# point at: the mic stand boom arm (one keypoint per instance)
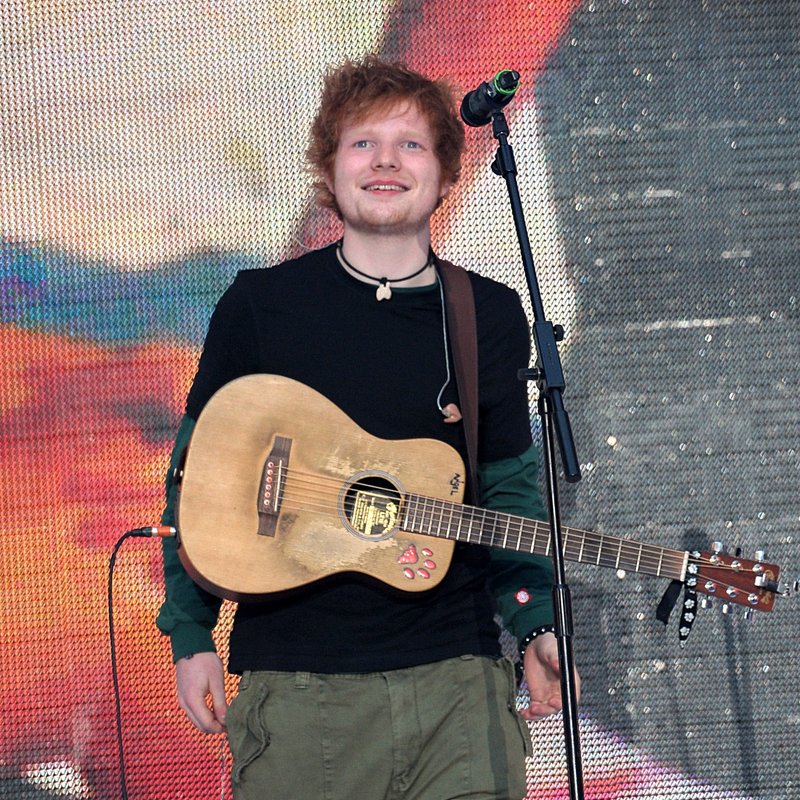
(549, 378)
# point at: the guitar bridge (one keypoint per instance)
(273, 477)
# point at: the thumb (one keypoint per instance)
(218, 701)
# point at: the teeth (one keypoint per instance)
(386, 187)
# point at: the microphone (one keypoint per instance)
(481, 104)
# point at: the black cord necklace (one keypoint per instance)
(383, 290)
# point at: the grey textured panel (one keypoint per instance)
(673, 132)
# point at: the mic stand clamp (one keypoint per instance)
(549, 378)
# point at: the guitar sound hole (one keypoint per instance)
(371, 506)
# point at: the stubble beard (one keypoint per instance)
(398, 222)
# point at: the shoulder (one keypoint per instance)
(292, 272)
(496, 304)
(276, 289)
(487, 291)
(492, 292)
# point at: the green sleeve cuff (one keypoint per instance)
(521, 583)
(522, 587)
(189, 613)
(188, 639)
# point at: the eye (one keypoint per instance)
(361, 144)
(412, 145)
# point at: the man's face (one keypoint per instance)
(386, 176)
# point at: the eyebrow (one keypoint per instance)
(360, 132)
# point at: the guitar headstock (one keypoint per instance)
(753, 584)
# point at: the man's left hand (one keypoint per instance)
(543, 676)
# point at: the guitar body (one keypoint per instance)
(332, 497)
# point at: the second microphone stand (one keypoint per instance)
(549, 378)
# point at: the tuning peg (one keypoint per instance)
(717, 547)
(785, 589)
(706, 602)
(748, 614)
(760, 555)
(726, 608)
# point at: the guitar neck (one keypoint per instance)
(447, 520)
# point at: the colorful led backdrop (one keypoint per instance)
(149, 150)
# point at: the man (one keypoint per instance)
(350, 689)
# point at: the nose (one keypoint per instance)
(385, 157)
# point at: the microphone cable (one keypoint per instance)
(161, 531)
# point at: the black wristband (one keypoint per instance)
(549, 628)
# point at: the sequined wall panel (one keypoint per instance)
(149, 151)
(672, 131)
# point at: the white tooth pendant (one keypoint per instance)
(383, 290)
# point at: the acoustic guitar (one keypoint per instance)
(280, 488)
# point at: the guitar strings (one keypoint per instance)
(658, 561)
(315, 493)
(304, 501)
(312, 480)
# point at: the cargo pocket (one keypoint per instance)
(248, 735)
(519, 722)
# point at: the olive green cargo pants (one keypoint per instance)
(435, 732)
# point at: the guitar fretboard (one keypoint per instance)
(446, 520)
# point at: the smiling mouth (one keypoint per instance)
(384, 187)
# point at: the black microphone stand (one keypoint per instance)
(549, 378)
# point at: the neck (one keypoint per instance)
(388, 256)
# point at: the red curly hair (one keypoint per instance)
(356, 90)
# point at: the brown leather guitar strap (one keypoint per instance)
(463, 335)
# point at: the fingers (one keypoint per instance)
(197, 678)
(219, 704)
(200, 715)
(539, 710)
(543, 703)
